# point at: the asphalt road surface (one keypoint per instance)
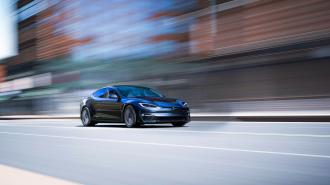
(201, 153)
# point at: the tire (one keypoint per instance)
(179, 124)
(130, 117)
(86, 118)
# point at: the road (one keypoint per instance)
(202, 153)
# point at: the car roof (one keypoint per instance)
(114, 86)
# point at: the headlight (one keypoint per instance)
(185, 104)
(149, 106)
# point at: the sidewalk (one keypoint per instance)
(292, 116)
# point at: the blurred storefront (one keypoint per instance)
(222, 53)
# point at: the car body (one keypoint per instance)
(132, 105)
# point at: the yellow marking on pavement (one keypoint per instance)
(15, 176)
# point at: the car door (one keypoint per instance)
(113, 105)
(99, 105)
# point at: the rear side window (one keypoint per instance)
(101, 93)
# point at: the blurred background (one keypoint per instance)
(221, 56)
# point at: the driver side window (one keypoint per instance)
(112, 94)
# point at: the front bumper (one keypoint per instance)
(165, 116)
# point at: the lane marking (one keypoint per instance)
(192, 122)
(114, 125)
(171, 145)
(182, 131)
(258, 123)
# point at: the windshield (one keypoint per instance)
(132, 91)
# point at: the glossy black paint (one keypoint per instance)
(109, 107)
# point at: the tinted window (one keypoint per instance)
(112, 93)
(102, 93)
(134, 91)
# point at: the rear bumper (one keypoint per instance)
(165, 117)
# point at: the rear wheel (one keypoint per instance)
(86, 118)
(130, 117)
(179, 124)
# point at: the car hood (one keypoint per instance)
(161, 101)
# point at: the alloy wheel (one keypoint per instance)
(130, 117)
(85, 117)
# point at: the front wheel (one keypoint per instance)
(86, 118)
(130, 117)
(179, 124)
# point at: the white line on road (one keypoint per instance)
(251, 133)
(246, 123)
(258, 123)
(170, 145)
(182, 131)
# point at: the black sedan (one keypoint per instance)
(132, 105)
